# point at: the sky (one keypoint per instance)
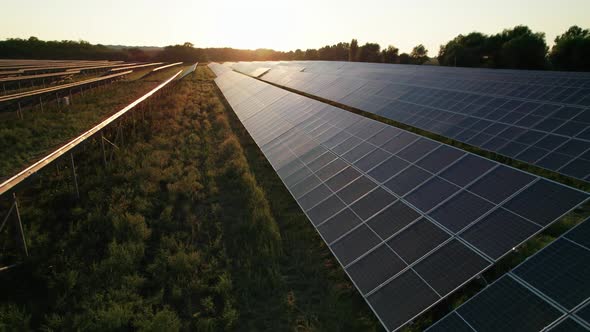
(282, 25)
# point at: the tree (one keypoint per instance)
(572, 50)
(419, 55)
(390, 54)
(312, 54)
(353, 50)
(520, 48)
(404, 58)
(370, 52)
(464, 51)
(337, 52)
(137, 54)
(299, 55)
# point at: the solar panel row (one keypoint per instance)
(549, 291)
(37, 77)
(18, 97)
(119, 69)
(473, 79)
(543, 120)
(410, 219)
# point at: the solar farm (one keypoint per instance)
(449, 199)
(412, 220)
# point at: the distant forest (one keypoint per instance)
(516, 48)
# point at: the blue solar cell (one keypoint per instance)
(407, 180)
(314, 197)
(461, 210)
(431, 193)
(515, 308)
(417, 240)
(343, 178)
(550, 142)
(356, 189)
(399, 142)
(417, 149)
(578, 168)
(450, 266)
(392, 219)
(466, 170)
(325, 210)
(550, 201)
(389, 168)
(372, 203)
(375, 268)
(338, 225)
(499, 232)
(568, 325)
(560, 271)
(354, 244)
(554, 161)
(440, 158)
(370, 160)
(401, 299)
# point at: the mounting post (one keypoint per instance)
(75, 176)
(20, 112)
(104, 153)
(20, 225)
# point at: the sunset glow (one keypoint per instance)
(281, 25)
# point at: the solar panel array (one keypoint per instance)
(542, 118)
(549, 291)
(25, 174)
(409, 219)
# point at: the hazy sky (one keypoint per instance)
(282, 25)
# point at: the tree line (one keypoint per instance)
(516, 48)
(519, 48)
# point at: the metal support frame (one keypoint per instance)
(20, 112)
(104, 153)
(14, 207)
(75, 176)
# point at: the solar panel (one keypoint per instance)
(568, 325)
(548, 291)
(369, 188)
(584, 313)
(542, 118)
